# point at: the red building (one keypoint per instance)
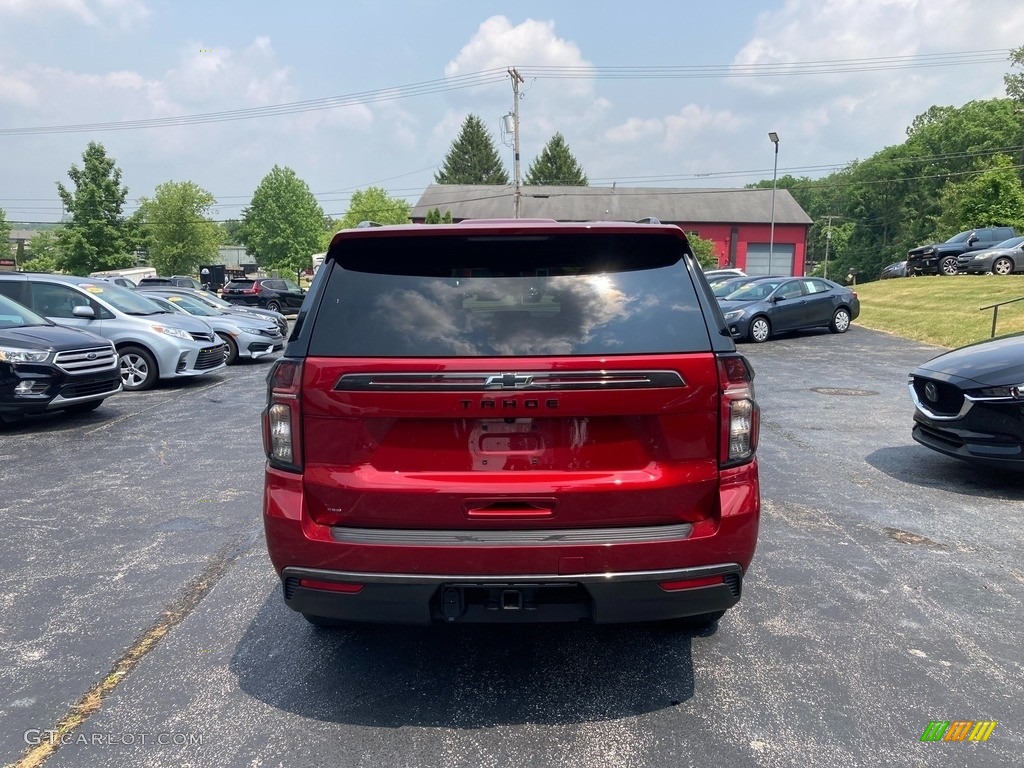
(738, 221)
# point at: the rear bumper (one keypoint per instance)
(600, 575)
(600, 598)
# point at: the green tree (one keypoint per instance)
(1015, 81)
(993, 198)
(95, 237)
(556, 166)
(435, 217)
(43, 252)
(373, 204)
(704, 250)
(472, 158)
(232, 232)
(283, 225)
(179, 232)
(5, 232)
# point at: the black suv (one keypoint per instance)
(941, 258)
(175, 281)
(272, 293)
(47, 367)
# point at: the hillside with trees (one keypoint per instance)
(958, 168)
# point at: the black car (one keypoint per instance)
(896, 269)
(179, 281)
(273, 293)
(48, 367)
(773, 304)
(969, 403)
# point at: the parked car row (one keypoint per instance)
(70, 342)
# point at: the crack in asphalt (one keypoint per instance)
(176, 612)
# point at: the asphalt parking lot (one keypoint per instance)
(138, 605)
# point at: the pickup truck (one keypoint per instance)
(941, 258)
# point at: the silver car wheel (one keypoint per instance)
(1002, 266)
(840, 321)
(760, 329)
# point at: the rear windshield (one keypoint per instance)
(595, 294)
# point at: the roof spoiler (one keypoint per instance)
(648, 220)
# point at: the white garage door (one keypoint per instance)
(781, 262)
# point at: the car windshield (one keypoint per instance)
(1013, 242)
(122, 299)
(754, 291)
(725, 287)
(15, 315)
(960, 238)
(167, 306)
(193, 306)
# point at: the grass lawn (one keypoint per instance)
(942, 310)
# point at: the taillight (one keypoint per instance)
(740, 415)
(282, 427)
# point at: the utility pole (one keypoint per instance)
(517, 79)
(828, 240)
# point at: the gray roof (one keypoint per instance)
(684, 205)
(22, 234)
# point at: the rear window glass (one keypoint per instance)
(502, 296)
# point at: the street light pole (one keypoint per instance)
(774, 137)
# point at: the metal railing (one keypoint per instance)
(995, 312)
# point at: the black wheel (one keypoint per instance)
(274, 305)
(694, 623)
(324, 622)
(138, 369)
(232, 357)
(760, 329)
(948, 266)
(84, 407)
(1002, 266)
(840, 321)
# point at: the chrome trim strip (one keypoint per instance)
(968, 402)
(63, 402)
(677, 574)
(527, 381)
(533, 537)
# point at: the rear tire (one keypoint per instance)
(138, 369)
(84, 407)
(325, 622)
(840, 321)
(760, 330)
(1002, 266)
(274, 305)
(694, 623)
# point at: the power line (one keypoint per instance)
(496, 75)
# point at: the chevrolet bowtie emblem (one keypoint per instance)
(508, 380)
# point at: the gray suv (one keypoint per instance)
(152, 343)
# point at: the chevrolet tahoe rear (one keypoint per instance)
(511, 421)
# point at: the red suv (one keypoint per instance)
(511, 421)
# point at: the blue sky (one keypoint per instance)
(700, 120)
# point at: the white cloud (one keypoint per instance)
(94, 13)
(675, 131)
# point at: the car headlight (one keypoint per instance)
(251, 331)
(736, 314)
(1015, 391)
(177, 333)
(15, 355)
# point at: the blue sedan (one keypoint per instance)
(771, 305)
